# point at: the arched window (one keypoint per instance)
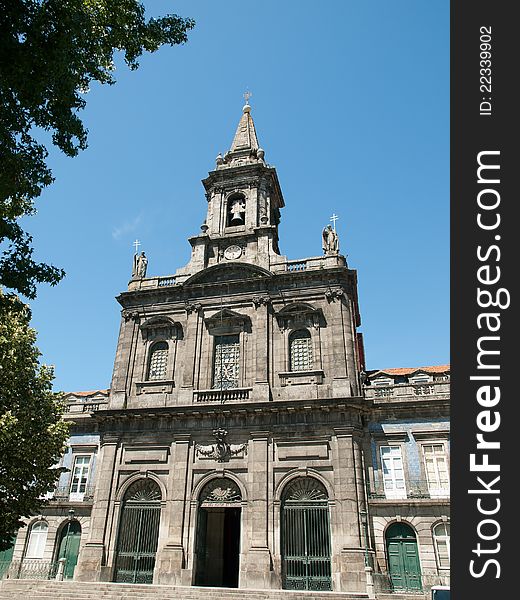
(300, 350)
(441, 540)
(37, 540)
(158, 361)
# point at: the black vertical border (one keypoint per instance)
(472, 133)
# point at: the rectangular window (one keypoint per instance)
(301, 350)
(382, 381)
(226, 366)
(80, 474)
(420, 378)
(436, 467)
(393, 472)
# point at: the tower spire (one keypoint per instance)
(245, 136)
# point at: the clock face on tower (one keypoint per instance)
(233, 252)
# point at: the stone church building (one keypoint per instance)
(242, 442)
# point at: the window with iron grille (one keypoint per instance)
(226, 367)
(300, 348)
(158, 361)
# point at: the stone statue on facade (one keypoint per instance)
(139, 266)
(330, 243)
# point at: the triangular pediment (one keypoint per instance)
(226, 314)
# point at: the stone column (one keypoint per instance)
(171, 558)
(349, 561)
(261, 333)
(190, 350)
(92, 558)
(256, 571)
(121, 378)
(344, 371)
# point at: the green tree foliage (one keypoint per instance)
(32, 432)
(50, 52)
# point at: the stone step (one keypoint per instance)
(20, 589)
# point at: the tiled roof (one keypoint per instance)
(91, 393)
(409, 371)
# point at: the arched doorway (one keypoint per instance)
(403, 557)
(138, 533)
(217, 545)
(305, 536)
(68, 546)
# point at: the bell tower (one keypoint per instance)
(244, 202)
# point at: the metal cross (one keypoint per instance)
(137, 243)
(334, 218)
(247, 95)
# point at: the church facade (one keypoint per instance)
(242, 442)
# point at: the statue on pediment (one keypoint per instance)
(330, 239)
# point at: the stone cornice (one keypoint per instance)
(320, 278)
(349, 411)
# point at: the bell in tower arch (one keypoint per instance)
(236, 211)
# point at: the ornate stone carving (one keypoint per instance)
(143, 491)
(261, 301)
(192, 307)
(220, 491)
(221, 450)
(332, 295)
(305, 489)
(130, 315)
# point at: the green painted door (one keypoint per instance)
(403, 558)
(5, 558)
(69, 547)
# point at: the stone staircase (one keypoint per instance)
(32, 589)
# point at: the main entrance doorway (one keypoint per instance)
(217, 547)
(403, 557)
(138, 533)
(305, 536)
(68, 546)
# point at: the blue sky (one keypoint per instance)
(351, 104)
